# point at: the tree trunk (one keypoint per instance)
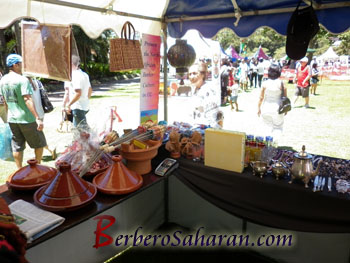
(2, 50)
(84, 58)
(18, 38)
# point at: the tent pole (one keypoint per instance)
(165, 69)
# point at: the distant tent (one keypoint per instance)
(329, 54)
(223, 53)
(260, 54)
(231, 52)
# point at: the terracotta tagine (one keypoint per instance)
(139, 160)
(31, 176)
(117, 179)
(67, 191)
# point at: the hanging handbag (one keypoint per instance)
(45, 102)
(125, 53)
(285, 105)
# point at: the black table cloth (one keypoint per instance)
(268, 201)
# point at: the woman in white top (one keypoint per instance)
(269, 103)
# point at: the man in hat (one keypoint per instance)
(24, 121)
(302, 77)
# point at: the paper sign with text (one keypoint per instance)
(149, 91)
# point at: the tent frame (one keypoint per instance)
(108, 9)
(165, 20)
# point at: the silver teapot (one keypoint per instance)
(302, 168)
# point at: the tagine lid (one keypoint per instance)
(118, 179)
(67, 191)
(303, 155)
(32, 176)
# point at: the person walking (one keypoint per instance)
(244, 70)
(268, 104)
(233, 88)
(314, 78)
(260, 70)
(302, 77)
(25, 122)
(77, 94)
(224, 77)
(254, 73)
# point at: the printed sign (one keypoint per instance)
(149, 91)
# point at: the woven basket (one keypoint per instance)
(125, 54)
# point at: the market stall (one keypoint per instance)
(250, 199)
(174, 16)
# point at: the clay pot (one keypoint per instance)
(67, 191)
(139, 160)
(118, 179)
(31, 176)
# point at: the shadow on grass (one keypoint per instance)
(98, 97)
(47, 158)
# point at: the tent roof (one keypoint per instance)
(207, 16)
(329, 54)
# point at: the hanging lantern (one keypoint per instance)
(181, 56)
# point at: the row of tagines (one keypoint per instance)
(88, 166)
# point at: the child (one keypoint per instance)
(234, 94)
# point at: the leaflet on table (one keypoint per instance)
(33, 221)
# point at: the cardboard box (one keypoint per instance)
(224, 149)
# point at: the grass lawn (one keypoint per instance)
(323, 128)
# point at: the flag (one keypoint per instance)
(243, 48)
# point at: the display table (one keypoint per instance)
(73, 241)
(195, 196)
(228, 202)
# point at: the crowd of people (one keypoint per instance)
(243, 75)
(20, 102)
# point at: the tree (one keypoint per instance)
(266, 37)
(344, 47)
(92, 50)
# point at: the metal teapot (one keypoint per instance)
(302, 168)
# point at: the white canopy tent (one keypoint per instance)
(328, 55)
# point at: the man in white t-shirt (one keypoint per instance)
(77, 94)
